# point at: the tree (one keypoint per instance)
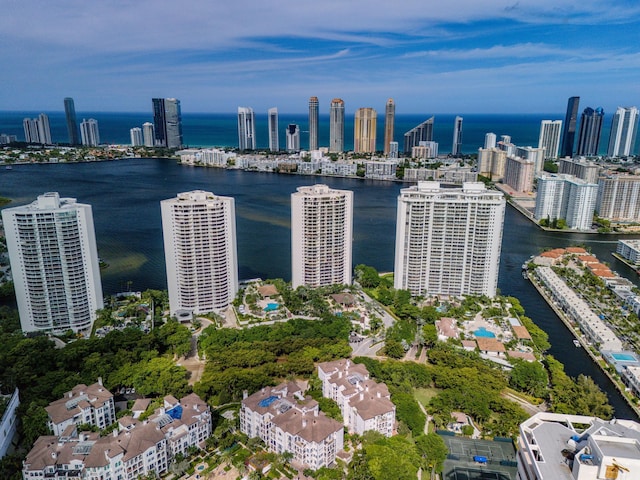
(367, 276)
(529, 377)
(433, 451)
(429, 335)
(393, 349)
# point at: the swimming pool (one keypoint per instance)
(623, 357)
(271, 307)
(484, 333)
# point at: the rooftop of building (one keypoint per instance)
(80, 397)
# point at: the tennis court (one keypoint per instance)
(479, 459)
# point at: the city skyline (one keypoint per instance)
(495, 57)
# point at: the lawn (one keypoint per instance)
(424, 395)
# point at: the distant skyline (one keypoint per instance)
(493, 56)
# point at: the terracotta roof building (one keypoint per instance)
(288, 422)
(92, 405)
(365, 404)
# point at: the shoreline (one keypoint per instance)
(576, 333)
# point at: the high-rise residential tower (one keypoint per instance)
(148, 134)
(590, 131)
(456, 148)
(246, 129)
(136, 137)
(89, 132)
(448, 240)
(167, 120)
(293, 138)
(199, 230)
(624, 128)
(36, 130)
(336, 126)
(490, 140)
(54, 263)
(420, 133)
(72, 122)
(389, 124)
(364, 130)
(274, 143)
(321, 236)
(550, 137)
(313, 123)
(569, 130)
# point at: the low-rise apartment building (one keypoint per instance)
(91, 405)
(288, 422)
(365, 404)
(133, 450)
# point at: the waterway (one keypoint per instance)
(125, 196)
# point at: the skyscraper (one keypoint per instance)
(364, 130)
(336, 126)
(148, 134)
(448, 240)
(167, 120)
(490, 140)
(293, 138)
(569, 131)
(199, 230)
(624, 128)
(313, 123)
(274, 143)
(389, 124)
(420, 133)
(72, 122)
(550, 137)
(565, 197)
(36, 130)
(456, 148)
(246, 129)
(136, 136)
(44, 131)
(590, 131)
(54, 263)
(31, 134)
(89, 132)
(321, 236)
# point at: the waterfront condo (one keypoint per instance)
(199, 231)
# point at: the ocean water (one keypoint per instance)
(220, 129)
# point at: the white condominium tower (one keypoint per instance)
(624, 128)
(136, 137)
(199, 230)
(321, 236)
(54, 263)
(274, 144)
(550, 137)
(448, 240)
(89, 132)
(246, 129)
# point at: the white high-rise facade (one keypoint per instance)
(136, 136)
(490, 140)
(448, 240)
(624, 128)
(274, 143)
(37, 130)
(566, 197)
(199, 230)
(549, 139)
(246, 129)
(148, 134)
(54, 263)
(293, 137)
(321, 236)
(89, 132)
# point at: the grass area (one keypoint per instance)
(424, 395)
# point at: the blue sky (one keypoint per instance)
(466, 56)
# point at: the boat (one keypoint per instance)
(8, 167)
(576, 343)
